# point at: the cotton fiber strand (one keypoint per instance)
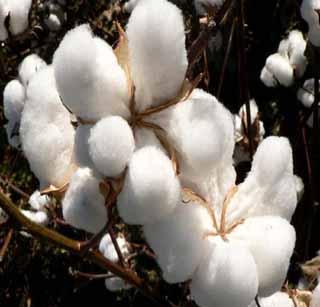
(39, 202)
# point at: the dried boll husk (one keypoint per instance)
(151, 189)
(158, 58)
(179, 241)
(83, 205)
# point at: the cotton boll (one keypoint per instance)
(19, 12)
(313, 35)
(151, 190)
(111, 145)
(308, 12)
(116, 284)
(46, 133)
(83, 205)
(130, 5)
(271, 241)
(306, 93)
(13, 100)
(179, 242)
(254, 111)
(146, 137)
(279, 299)
(315, 300)
(268, 78)
(108, 250)
(281, 69)
(30, 65)
(39, 217)
(226, 278)
(89, 79)
(158, 57)
(39, 202)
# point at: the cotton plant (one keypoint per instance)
(18, 12)
(288, 63)
(242, 150)
(107, 249)
(310, 13)
(305, 95)
(14, 96)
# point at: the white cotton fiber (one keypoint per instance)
(306, 93)
(146, 137)
(39, 202)
(83, 205)
(279, 299)
(130, 5)
(271, 240)
(81, 146)
(116, 284)
(30, 65)
(158, 57)
(13, 100)
(151, 190)
(39, 217)
(201, 130)
(281, 69)
(254, 111)
(46, 133)
(315, 300)
(226, 278)
(111, 145)
(179, 242)
(4, 11)
(89, 79)
(268, 78)
(108, 250)
(314, 35)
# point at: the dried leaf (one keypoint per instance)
(57, 192)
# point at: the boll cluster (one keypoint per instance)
(17, 12)
(146, 133)
(287, 64)
(310, 10)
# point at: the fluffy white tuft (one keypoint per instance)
(89, 79)
(151, 190)
(116, 284)
(111, 145)
(226, 278)
(108, 250)
(309, 14)
(279, 299)
(179, 241)
(39, 217)
(268, 78)
(306, 93)
(4, 12)
(83, 205)
(39, 202)
(157, 51)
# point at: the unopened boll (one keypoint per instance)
(156, 31)
(89, 79)
(30, 65)
(151, 188)
(83, 205)
(271, 240)
(179, 241)
(108, 250)
(226, 278)
(39, 202)
(46, 133)
(111, 145)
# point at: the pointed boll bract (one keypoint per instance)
(47, 140)
(179, 241)
(151, 189)
(271, 240)
(89, 79)
(158, 58)
(226, 278)
(111, 145)
(83, 205)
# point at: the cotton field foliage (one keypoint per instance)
(100, 122)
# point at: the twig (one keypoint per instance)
(6, 243)
(14, 188)
(73, 246)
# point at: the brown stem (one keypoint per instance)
(14, 188)
(73, 246)
(6, 244)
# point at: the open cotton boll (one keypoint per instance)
(146, 137)
(271, 240)
(130, 5)
(30, 65)
(315, 300)
(83, 205)
(226, 278)
(46, 133)
(279, 299)
(313, 35)
(4, 12)
(281, 69)
(108, 250)
(13, 100)
(39, 217)
(268, 78)
(306, 93)
(308, 12)
(39, 202)
(200, 5)
(253, 111)
(89, 79)
(116, 284)
(158, 58)
(111, 145)
(179, 242)
(151, 189)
